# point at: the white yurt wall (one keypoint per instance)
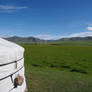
(12, 78)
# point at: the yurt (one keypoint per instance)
(12, 78)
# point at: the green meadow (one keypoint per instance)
(65, 67)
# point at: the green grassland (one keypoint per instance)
(59, 68)
(72, 43)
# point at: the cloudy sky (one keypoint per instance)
(46, 19)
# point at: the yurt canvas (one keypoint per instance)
(12, 78)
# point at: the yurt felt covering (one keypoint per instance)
(11, 65)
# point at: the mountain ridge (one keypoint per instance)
(38, 40)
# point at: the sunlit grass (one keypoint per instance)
(58, 68)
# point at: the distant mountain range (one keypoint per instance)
(24, 39)
(76, 39)
(37, 40)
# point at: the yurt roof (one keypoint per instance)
(10, 52)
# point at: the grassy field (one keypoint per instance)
(58, 68)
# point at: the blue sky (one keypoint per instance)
(46, 19)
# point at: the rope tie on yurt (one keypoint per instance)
(11, 74)
(16, 64)
(11, 78)
(11, 62)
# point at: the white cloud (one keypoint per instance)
(9, 8)
(81, 34)
(89, 28)
(47, 36)
(44, 36)
(55, 37)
